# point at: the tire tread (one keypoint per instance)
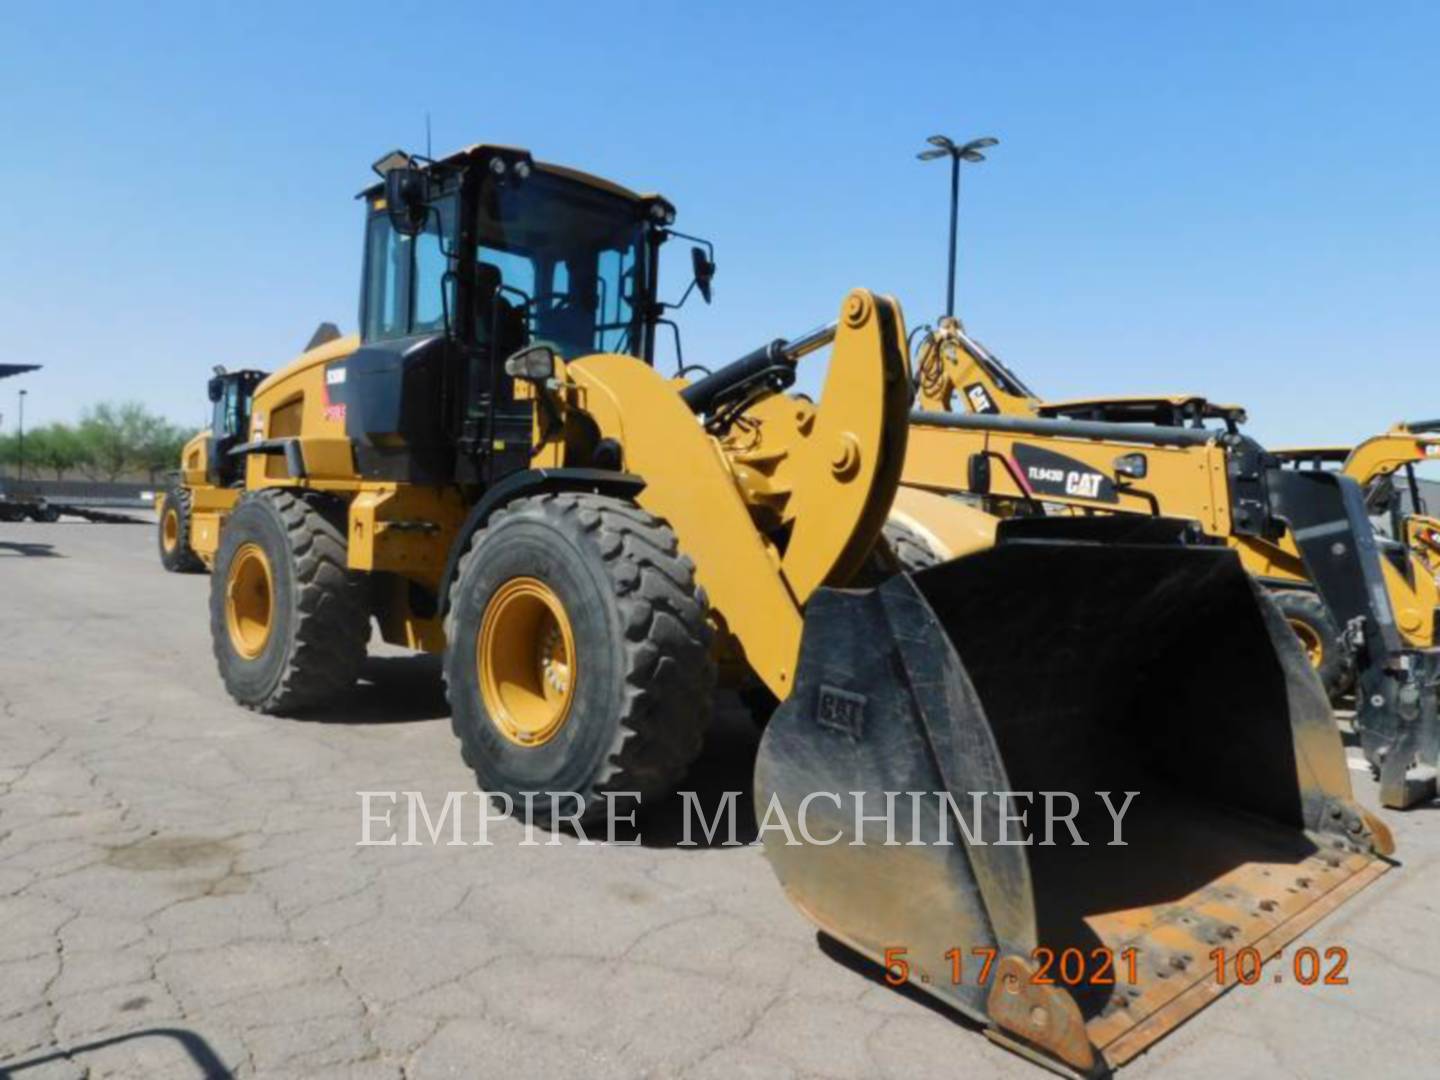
(331, 626)
(669, 673)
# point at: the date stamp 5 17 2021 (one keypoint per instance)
(1103, 966)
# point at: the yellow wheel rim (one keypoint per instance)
(249, 601)
(170, 529)
(525, 655)
(1310, 641)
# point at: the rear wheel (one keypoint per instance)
(173, 533)
(288, 621)
(577, 654)
(909, 547)
(904, 550)
(1320, 638)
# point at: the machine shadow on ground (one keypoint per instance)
(13, 548)
(207, 1061)
(390, 690)
(724, 772)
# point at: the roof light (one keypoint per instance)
(396, 159)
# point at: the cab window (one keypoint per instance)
(434, 285)
(409, 281)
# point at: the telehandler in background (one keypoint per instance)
(1364, 607)
(494, 470)
(1385, 467)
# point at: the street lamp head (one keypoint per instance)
(971, 150)
(944, 147)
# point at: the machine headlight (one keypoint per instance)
(1132, 465)
(534, 362)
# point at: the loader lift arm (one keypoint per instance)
(825, 473)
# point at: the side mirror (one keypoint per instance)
(535, 363)
(216, 388)
(405, 199)
(1135, 466)
(704, 271)
(978, 468)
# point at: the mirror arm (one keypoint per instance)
(678, 304)
(708, 246)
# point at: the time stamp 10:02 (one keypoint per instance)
(1103, 966)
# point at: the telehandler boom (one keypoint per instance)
(1376, 465)
(494, 470)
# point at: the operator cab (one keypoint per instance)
(230, 394)
(470, 260)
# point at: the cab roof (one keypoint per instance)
(1153, 408)
(1312, 453)
(478, 150)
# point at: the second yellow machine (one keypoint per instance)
(1364, 604)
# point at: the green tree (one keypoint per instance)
(110, 441)
(159, 450)
(57, 447)
(107, 433)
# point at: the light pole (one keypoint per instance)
(21, 465)
(970, 151)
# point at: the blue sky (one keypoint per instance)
(1238, 199)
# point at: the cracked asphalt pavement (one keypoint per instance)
(182, 894)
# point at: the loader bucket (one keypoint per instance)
(1062, 665)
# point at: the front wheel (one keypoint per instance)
(1320, 637)
(577, 655)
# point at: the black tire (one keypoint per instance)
(910, 549)
(904, 551)
(1320, 636)
(319, 615)
(644, 677)
(46, 515)
(180, 557)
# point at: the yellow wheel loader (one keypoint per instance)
(494, 470)
(1364, 608)
(206, 486)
